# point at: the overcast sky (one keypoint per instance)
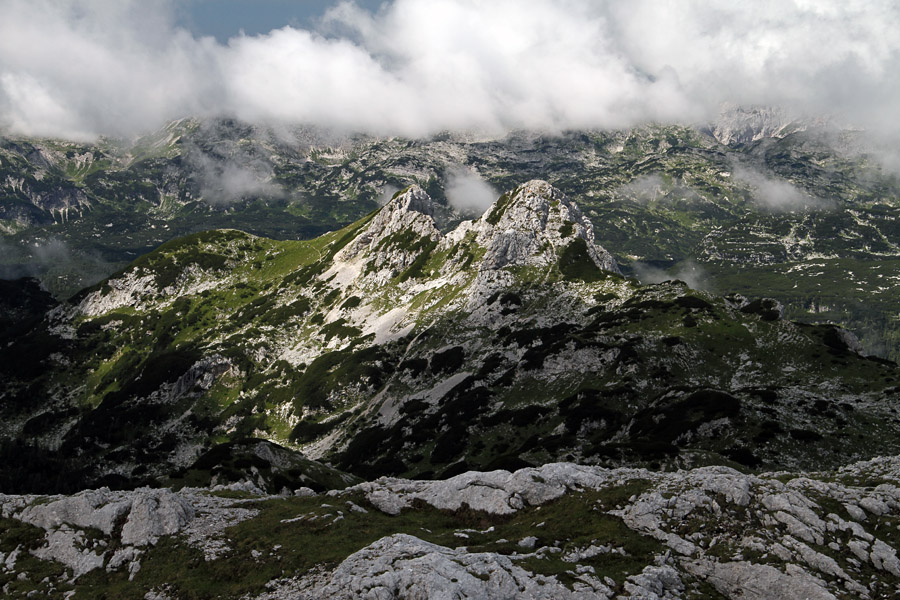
(80, 68)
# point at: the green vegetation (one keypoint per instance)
(41, 577)
(575, 263)
(659, 195)
(230, 462)
(500, 207)
(336, 369)
(860, 294)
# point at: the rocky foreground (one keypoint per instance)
(557, 531)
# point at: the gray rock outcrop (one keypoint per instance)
(99, 509)
(745, 124)
(403, 566)
(810, 543)
(495, 492)
(749, 537)
(532, 225)
(137, 518)
(153, 514)
(409, 212)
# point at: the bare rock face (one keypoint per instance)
(532, 224)
(67, 546)
(99, 509)
(741, 125)
(388, 244)
(59, 200)
(655, 583)
(529, 226)
(148, 514)
(748, 537)
(790, 524)
(155, 513)
(495, 492)
(131, 289)
(410, 211)
(201, 374)
(403, 566)
(748, 581)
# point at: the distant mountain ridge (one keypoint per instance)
(745, 125)
(795, 210)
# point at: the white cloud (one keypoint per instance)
(76, 68)
(468, 193)
(775, 193)
(653, 187)
(387, 193)
(227, 179)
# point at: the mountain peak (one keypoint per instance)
(398, 257)
(409, 210)
(532, 224)
(412, 199)
(534, 196)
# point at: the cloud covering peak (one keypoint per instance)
(80, 68)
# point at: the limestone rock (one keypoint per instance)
(92, 508)
(147, 513)
(748, 581)
(409, 211)
(66, 545)
(748, 536)
(496, 492)
(885, 558)
(122, 556)
(742, 125)
(131, 289)
(155, 513)
(655, 583)
(403, 566)
(532, 225)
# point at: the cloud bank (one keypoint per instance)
(81, 68)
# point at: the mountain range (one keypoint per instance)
(755, 203)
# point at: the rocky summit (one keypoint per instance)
(414, 409)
